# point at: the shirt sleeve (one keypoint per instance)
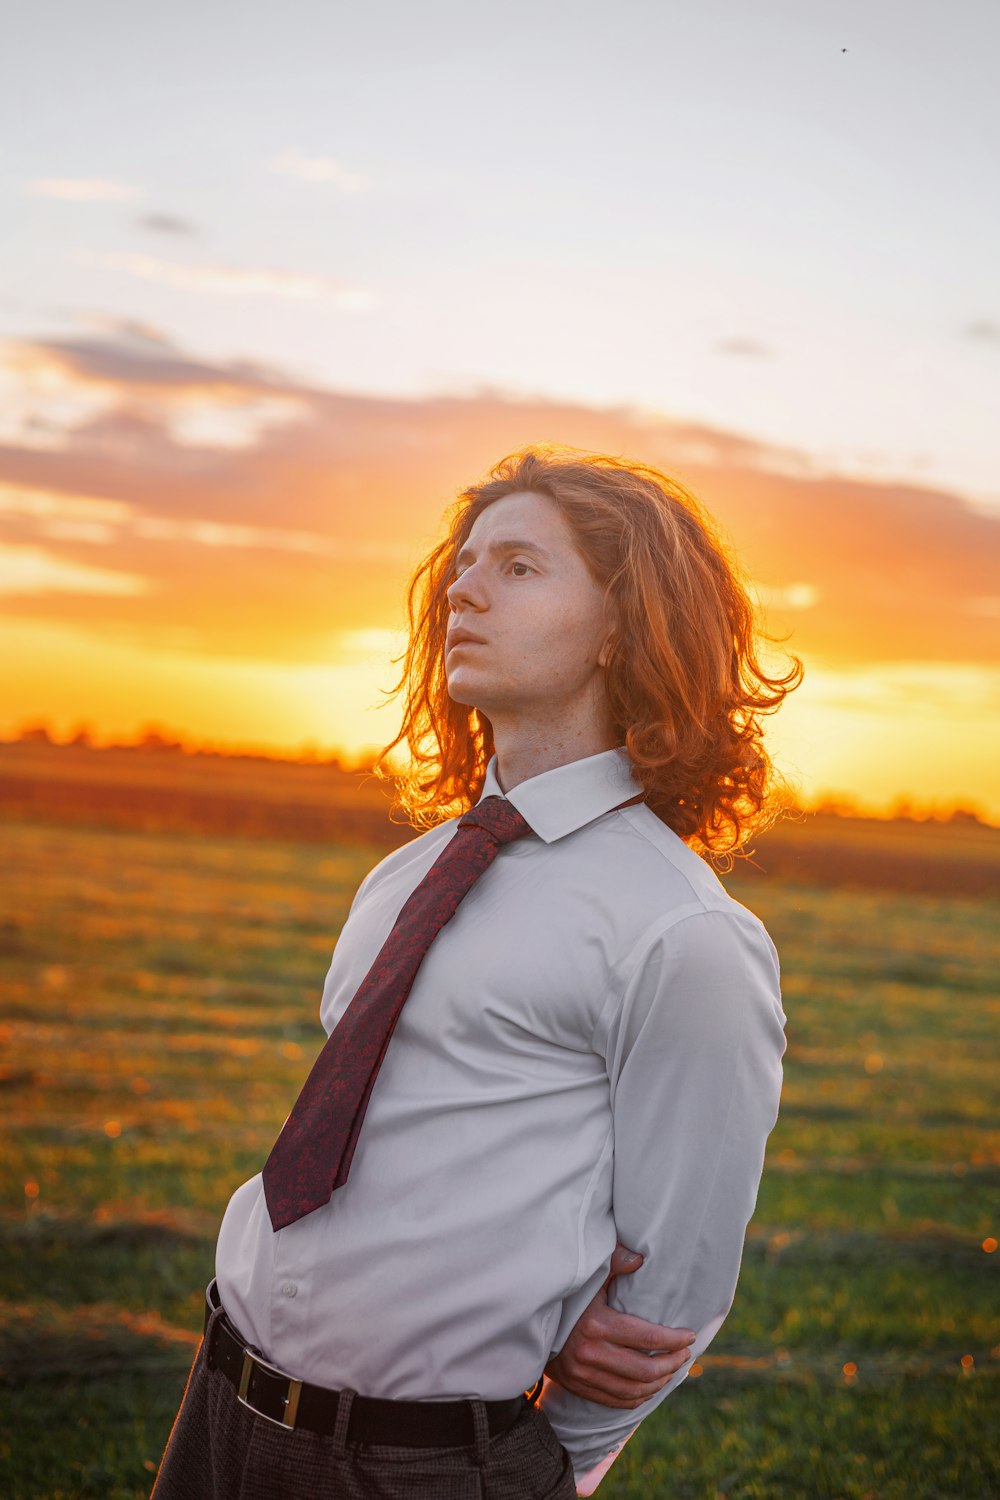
(693, 1047)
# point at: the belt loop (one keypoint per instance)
(481, 1428)
(345, 1401)
(212, 1322)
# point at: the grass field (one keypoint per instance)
(159, 1010)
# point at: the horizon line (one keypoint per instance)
(155, 738)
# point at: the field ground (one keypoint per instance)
(158, 998)
(163, 791)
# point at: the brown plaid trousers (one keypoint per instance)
(219, 1450)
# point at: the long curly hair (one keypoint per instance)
(684, 681)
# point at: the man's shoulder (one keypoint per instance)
(422, 849)
(660, 861)
(665, 882)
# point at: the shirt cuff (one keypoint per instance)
(587, 1483)
(592, 1434)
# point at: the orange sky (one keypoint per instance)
(223, 550)
(270, 300)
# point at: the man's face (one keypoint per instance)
(533, 614)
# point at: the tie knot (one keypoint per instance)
(497, 817)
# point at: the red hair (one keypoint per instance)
(685, 686)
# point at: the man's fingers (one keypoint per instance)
(649, 1368)
(620, 1395)
(622, 1264)
(624, 1261)
(631, 1332)
(626, 1365)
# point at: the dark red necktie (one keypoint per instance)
(312, 1155)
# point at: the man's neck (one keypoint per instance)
(523, 753)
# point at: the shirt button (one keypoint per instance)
(289, 1289)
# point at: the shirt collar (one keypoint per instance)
(566, 798)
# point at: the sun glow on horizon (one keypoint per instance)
(874, 738)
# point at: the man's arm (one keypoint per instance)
(693, 1044)
(614, 1358)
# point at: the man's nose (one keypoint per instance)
(466, 590)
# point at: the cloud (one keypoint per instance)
(31, 571)
(793, 596)
(318, 169)
(128, 357)
(309, 527)
(47, 506)
(166, 224)
(111, 522)
(132, 356)
(745, 348)
(234, 280)
(984, 330)
(57, 387)
(122, 329)
(83, 189)
(273, 539)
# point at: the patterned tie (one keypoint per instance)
(312, 1155)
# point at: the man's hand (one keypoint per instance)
(603, 1358)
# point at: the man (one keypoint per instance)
(550, 1029)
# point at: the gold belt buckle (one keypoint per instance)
(291, 1400)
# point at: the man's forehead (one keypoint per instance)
(523, 519)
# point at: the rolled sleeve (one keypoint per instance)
(693, 1046)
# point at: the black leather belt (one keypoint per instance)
(294, 1403)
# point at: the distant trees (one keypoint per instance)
(152, 737)
(35, 734)
(158, 738)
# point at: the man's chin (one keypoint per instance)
(470, 699)
(460, 691)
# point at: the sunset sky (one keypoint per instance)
(277, 281)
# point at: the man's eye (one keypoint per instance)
(515, 566)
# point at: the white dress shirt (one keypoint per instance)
(591, 1051)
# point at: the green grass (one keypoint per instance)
(159, 1011)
